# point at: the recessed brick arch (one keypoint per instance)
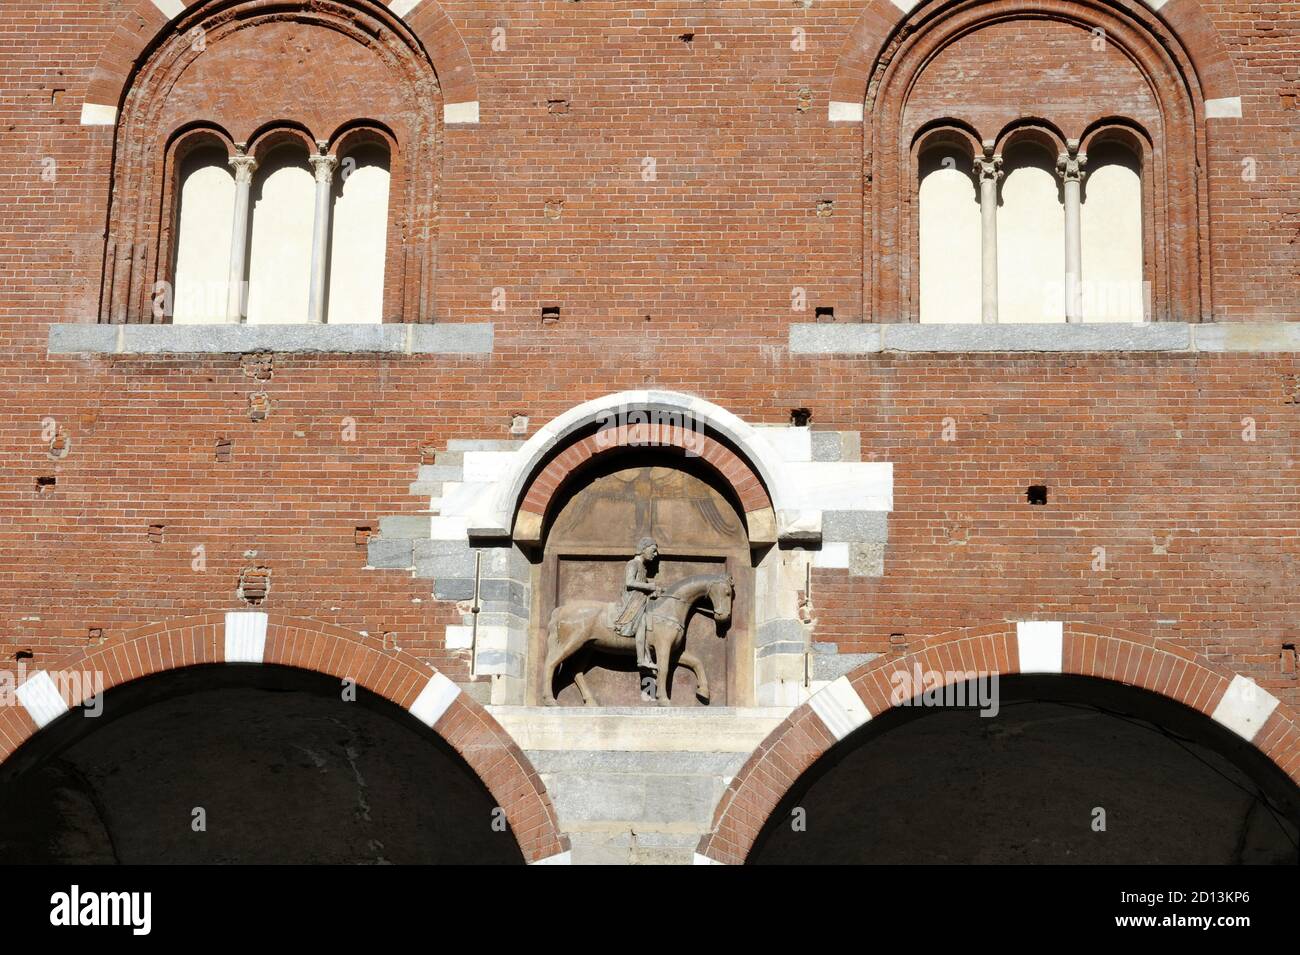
(379, 63)
(145, 20)
(1073, 649)
(309, 645)
(1164, 94)
(760, 518)
(1186, 20)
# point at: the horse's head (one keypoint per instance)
(721, 590)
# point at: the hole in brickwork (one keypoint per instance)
(519, 424)
(225, 449)
(259, 366)
(60, 445)
(254, 585)
(259, 406)
(800, 417)
(428, 453)
(361, 536)
(825, 208)
(687, 38)
(557, 105)
(1290, 663)
(550, 314)
(94, 635)
(805, 100)
(825, 313)
(156, 533)
(1037, 494)
(24, 655)
(46, 483)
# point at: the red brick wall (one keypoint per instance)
(1060, 77)
(1142, 456)
(722, 235)
(710, 251)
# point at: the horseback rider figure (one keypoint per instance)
(633, 616)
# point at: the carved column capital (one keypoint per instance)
(1070, 162)
(988, 167)
(323, 166)
(244, 165)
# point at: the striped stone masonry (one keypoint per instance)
(244, 637)
(833, 509)
(1047, 647)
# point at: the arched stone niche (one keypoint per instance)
(783, 500)
(699, 528)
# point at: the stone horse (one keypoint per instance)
(589, 625)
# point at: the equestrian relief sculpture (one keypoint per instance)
(648, 623)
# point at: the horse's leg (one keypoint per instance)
(548, 669)
(696, 666)
(559, 647)
(581, 665)
(663, 647)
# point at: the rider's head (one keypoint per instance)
(647, 548)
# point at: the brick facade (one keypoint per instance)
(687, 204)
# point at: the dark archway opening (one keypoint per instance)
(946, 785)
(284, 769)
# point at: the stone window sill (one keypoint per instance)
(466, 339)
(862, 339)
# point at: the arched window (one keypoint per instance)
(283, 233)
(1114, 284)
(294, 163)
(1033, 246)
(1052, 246)
(280, 237)
(949, 232)
(360, 234)
(205, 195)
(1031, 237)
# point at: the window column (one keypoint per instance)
(244, 165)
(989, 169)
(323, 166)
(1069, 166)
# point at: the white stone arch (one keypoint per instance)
(799, 489)
(819, 503)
